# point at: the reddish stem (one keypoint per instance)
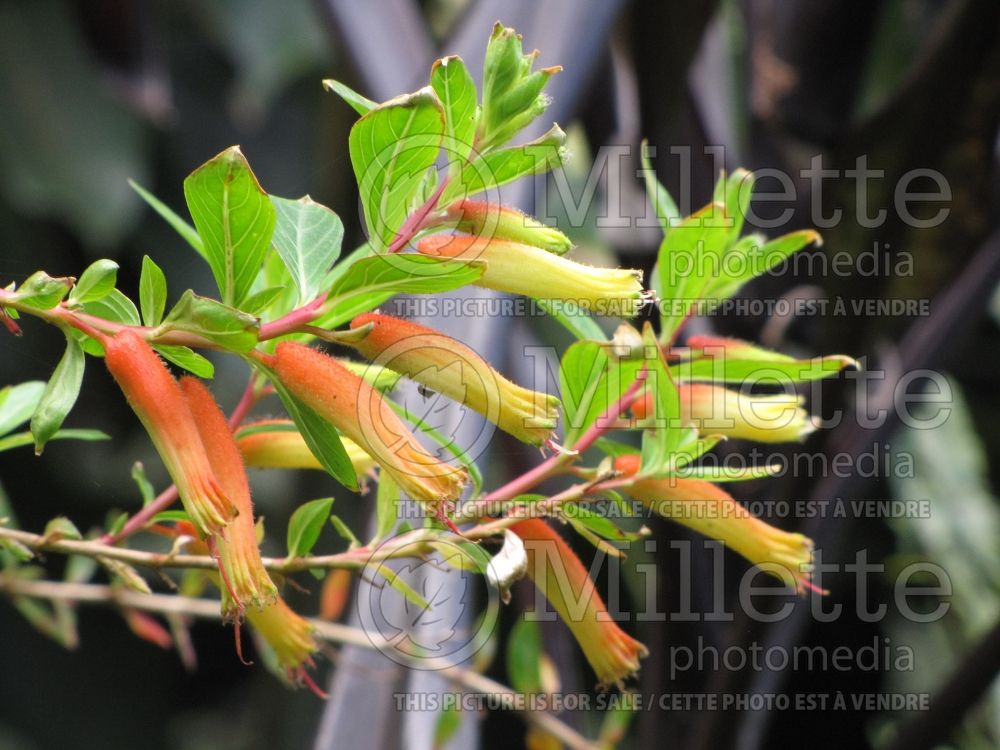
(414, 222)
(605, 423)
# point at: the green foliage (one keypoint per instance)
(305, 525)
(59, 396)
(391, 148)
(234, 218)
(307, 236)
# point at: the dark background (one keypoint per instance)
(94, 92)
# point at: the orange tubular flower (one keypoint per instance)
(505, 223)
(521, 269)
(359, 412)
(456, 371)
(711, 511)
(277, 444)
(245, 578)
(247, 582)
(159, 403)
(558, 572)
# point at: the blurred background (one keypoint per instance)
(94, 92)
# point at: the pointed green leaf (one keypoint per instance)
(152, 292)
(18, 402)
(361, 104)
(235, 220)
(187, 359)
(96, 282)
(187, 232)
(305, 525)
(456, 90)
(59, 396)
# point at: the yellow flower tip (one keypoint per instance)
(361, 414)
(710, 510)
(776, 418)
(288, 634)
(247, 582)
(566, 583)
(454, 370)
(277, 444)
(158, 401)
(517, 268)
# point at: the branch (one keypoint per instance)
(470, 681)
(402, 546)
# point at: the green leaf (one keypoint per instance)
(61, 527)
(666, 433)
(212, 320)
(259, 302)
(579, 516)
(20, 439)
(663, 204)
(305, 525)
(152, 292)
(59, 396)
(18, 402)
(456, 90)
(758, 260)
(386, 506)
(187, 359)
(115, 307)
(689, 258)
(371, 281)
(179, 225)
(43, 292)
(391, 148)
(146, 490)
(500, 167)
(307, 236)
(96, 282)
(590, 381)
(361, 104)
(321, 437)
(524, 656)
(235, 220)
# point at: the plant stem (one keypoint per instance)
(556, 462)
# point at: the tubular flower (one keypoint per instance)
(360, 413)
(456, 371)
(247, 581)
(492, 220)
(288, 634)
(774, 418)
(711, 511)
(522, 269)
(558, 572)
(277, 444)
(158, 401)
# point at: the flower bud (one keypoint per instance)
(359, 412)
(157, 400)
(711, 511)
(493, 221)
(247, 581)
(457, 372)
(521, 269)
(278, 444)
(558, 572)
